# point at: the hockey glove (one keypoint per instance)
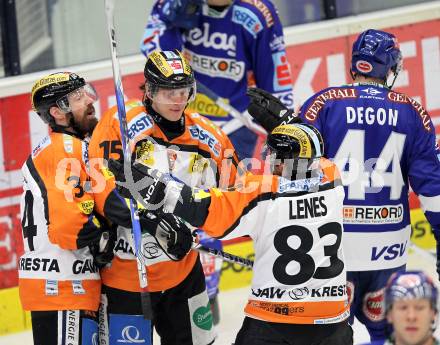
(172, 235)
(268, 110)
(102, 249)
(152, 188)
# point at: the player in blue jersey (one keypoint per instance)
(230, 44)
(411, 308)
(383, 142)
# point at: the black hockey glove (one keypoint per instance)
(150, 187)
(268, 110)
(102, 249)
(172, 234)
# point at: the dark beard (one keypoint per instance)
(88, 123)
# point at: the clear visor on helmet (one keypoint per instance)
(161, 95)
(76, 98)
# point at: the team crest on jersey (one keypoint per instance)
(145, 152)
(197, 163)
(86, 206)
(247, 19)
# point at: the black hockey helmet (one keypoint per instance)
(295, 141)
(52, 90)
(168, 70)
(293, 149)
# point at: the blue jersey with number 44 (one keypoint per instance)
(383, 142)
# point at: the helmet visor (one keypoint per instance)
(77, 97)
(181, 95)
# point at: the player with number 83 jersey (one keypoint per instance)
(294, 217)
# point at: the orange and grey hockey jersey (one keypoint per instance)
(298, 275)
(56, 271)
(195, 157)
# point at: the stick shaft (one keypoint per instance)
(119, 91)
(225, 256)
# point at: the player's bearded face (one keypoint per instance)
(85, 118)
(83, 111)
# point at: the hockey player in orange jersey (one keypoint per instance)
(64, 243)
(294, 217)
(167, 137)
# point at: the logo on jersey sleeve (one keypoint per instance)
(281, 79)
(246, 18)
(138, 124)
(204, 137)
(41, 146)
(261, 6)
(286, 97)
(277, 44)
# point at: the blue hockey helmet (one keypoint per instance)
(410, 285)
(375, 53)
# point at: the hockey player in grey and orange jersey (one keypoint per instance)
(64, 242)
(294, 217)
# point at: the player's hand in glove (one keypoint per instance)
(171, 233)
(150, 187)
(268, 110)
(102, 248)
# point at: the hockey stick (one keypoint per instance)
(119, 91)
(231, 110)
(224, 255)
